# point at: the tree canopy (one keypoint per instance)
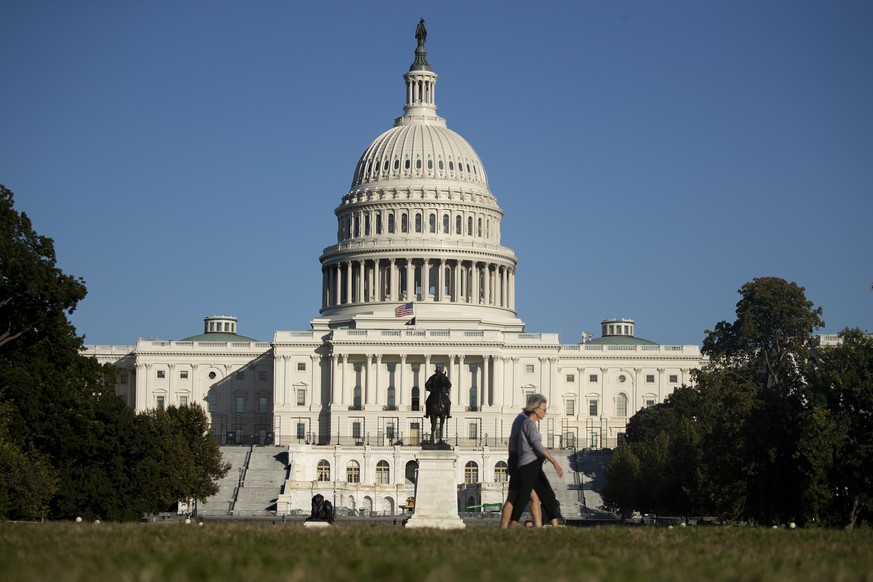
(775, 428)
(60, 419)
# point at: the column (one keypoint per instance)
(367, 387)
(486, 281)
(461, 383)
(425, 280)
(142, 386)
(377, 388)
(401, 385)
(410, 280)
(315, 381)
(486, 389)
(361, 286)
(339, 284)
(441, 281)
(349, 298)
(392, 280)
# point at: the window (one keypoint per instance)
(471, 473)
(159, 402)
(469, 226)
(571, 407)
(356, 398)
(650, 378)
(674, 378)
(262, 404)
(262, 375)
(162, 374)
(391, 223)
(383, 473)
(417, 222)
(212, 401)
(592, 378)
(240, 404)
(472, 431)
(458, 228)
(301, 431)
(212, 375)
(323, 470)
(389, 430)
(528, 368)
(183, 374)
(183, 401)
(621, 405)
(240, 375)
(122, 379)
(592, 440)
(500, 475)
(571, 378)
(301, 366)
(622, 378)
(356, 429)
(301, 397)
(650, 403)
(404, 223)
(592, 407)
(431, 223)
(445, 223)
(473, 400)
(353, 472)
(391, 396)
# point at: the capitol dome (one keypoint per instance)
(419, 150)
(418, 232)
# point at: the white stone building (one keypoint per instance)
(418, 278)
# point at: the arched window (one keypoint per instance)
(357, 220)
(353, 472)
(458, 225)
(391, 223)
(417, 222)
(357, 397)
(446, 223)
(417, 164)
(471, 473)
(366, 225)
(391, 398)
(621, 404)
(415, 398)
(404, 223)
(473, 398)
(323, 470)
(379, 223)
(469, 226)
(431, 223)
(411, 472)
(500, 473)
(383, 473)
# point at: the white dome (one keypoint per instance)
(420, 150)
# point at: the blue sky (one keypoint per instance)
(650, 157)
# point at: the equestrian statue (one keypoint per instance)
(438, 406)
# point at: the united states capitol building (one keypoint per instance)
(417, 279)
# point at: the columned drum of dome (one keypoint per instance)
(419, 225)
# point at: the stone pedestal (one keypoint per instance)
(436, 495)
(316, 524)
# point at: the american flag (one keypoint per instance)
(403, 310)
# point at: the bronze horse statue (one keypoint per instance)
(438, 406)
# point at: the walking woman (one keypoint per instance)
(531, 455)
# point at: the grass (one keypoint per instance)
(220, 551)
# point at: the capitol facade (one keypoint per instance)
(418, 279)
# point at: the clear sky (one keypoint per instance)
(650, 157)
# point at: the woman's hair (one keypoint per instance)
(533, 403)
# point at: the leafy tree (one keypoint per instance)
(755, 378)
(183, 461)
(841, 395)
(27, 480)
(65, 424)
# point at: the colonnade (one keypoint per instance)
(428, 280)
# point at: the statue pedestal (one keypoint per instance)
(316, 524)
(436, 494)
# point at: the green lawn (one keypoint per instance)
(174, 551)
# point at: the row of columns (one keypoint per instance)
(456, 281)
(362, 223)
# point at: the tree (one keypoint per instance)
(65, 424)
(841, 396)
(753, 386)
(27, 480)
